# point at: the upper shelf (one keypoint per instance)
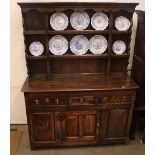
(41, 32)
(79, 32)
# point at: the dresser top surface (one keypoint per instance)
(57, 4)
(78, 82)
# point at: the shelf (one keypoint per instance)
(71, 56)
(121, 32)
(113, 55)
(30, 57)
(34, 32)
(79, 32)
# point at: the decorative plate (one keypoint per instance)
(59, 21)
(79, 45)
(99, 21)
(122, 23)
(36, 48)
(119, 47)
(79, 20)
(58, 45)
(98, 44)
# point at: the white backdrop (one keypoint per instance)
(17, 57)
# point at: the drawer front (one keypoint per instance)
(48, 101)
(115, 99)
(82, 100)
(79, 99)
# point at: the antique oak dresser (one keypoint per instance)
(77, 99)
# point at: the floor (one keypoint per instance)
(135, 147)
(15, 138)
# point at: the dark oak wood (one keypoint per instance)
(95, 32)
(77, 100)
(78, 82)
(80, 4)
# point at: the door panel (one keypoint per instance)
(117, 123)
(89, 125)
(43, 126)
(72, 126)
(79, 127)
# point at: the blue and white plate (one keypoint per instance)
(122, 23)
(36, 48)
(59, 21)
(58, 45)
(98, 44)
(79, 44)
(119, 47)
(99, 21)
(79, 20)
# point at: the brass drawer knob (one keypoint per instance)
(81, 100)
(47, 100)
(57, 101)
(37, 101)
(105, 99)
(98, 124)
(124, 97)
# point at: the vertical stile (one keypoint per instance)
(47, 40)
(129, 44)
(25, 48)
(110, 43)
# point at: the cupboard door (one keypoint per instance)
(117, 123)
(42, 127)
(79, 128)
(113, 125)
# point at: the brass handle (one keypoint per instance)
(105, 99)
(57, 101)
(125, 97)
(81, 100)
(47, 100)
(98, 124)
(37, 101)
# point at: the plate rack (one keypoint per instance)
(36, 23)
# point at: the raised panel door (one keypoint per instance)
(43, 128)
(79, 127)
(113, 125)
(117, 123)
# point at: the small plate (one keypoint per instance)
(98, 44)
(79, 20)
(99, 21)
(119, 47)
(79, 44)
(59, 21)
(58, 45)
(36, 48)
(122, 23)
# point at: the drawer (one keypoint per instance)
(82, 100)
(48, 101)
(115, 99)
